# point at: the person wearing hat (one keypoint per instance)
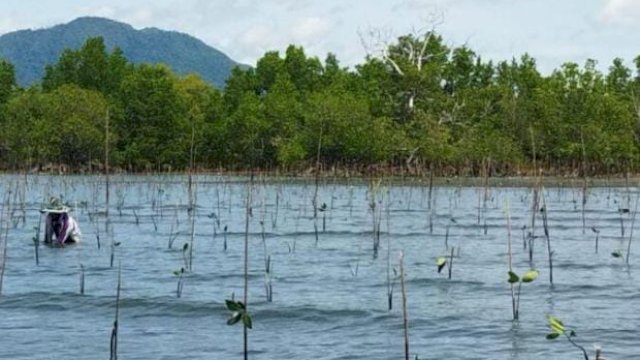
(60, 224)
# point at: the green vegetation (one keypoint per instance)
(527, 277)
(558, 329)
(451, 112)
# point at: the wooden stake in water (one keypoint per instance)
(633, 221)
(513, 294)
(597, 236)
(36, 241)
(405, 315)
(245, 296)
(81, 279)
(451, 262)
(4, 232)
(545, 225)
(114, 332)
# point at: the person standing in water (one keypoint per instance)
(59, 224)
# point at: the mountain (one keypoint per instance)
(30, 50)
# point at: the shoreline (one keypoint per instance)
(338, 178)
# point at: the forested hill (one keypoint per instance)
(30, 50)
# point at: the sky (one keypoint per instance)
(552, 31)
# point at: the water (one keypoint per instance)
(329, 299)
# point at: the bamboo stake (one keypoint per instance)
(405, 316)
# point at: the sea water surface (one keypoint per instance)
(329, 294)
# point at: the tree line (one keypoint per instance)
(414, 104)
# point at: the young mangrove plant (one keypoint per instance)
(112, 247)
(597, 232)
(225, 239)
(239, 313)
(268, 287)
(376, 212)
(323, 210)
(559, 329)
(239, 308)
(180, 275)
(390, 280)
(514, 279)
(545, 226)
(621, 212)
(441, 262)
(527, 277)
(617, 254)
(185, 257)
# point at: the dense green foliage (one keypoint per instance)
(31, 50)
(443, 109)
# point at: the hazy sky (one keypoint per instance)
(552, 31)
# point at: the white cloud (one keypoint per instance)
(621, 12)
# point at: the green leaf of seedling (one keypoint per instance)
(235, 317)
(552, 335)
(246, 320)
(616, 254)
(572, 333)
(185, 247)
(555, 324)
(441, 261)
(176, 272)
(116, 243)
(530, 275)
(233, 305)
(513, 277)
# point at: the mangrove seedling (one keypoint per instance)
(323, 210)
(180, 275)
(622, 211)
(238, 313)
(617, 254)
(441, 262)
(225, 238)
(597, 232)
(185, 248)
(558, 329)
(527, 277)
(112, 257)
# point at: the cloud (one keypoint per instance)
(625, 12)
